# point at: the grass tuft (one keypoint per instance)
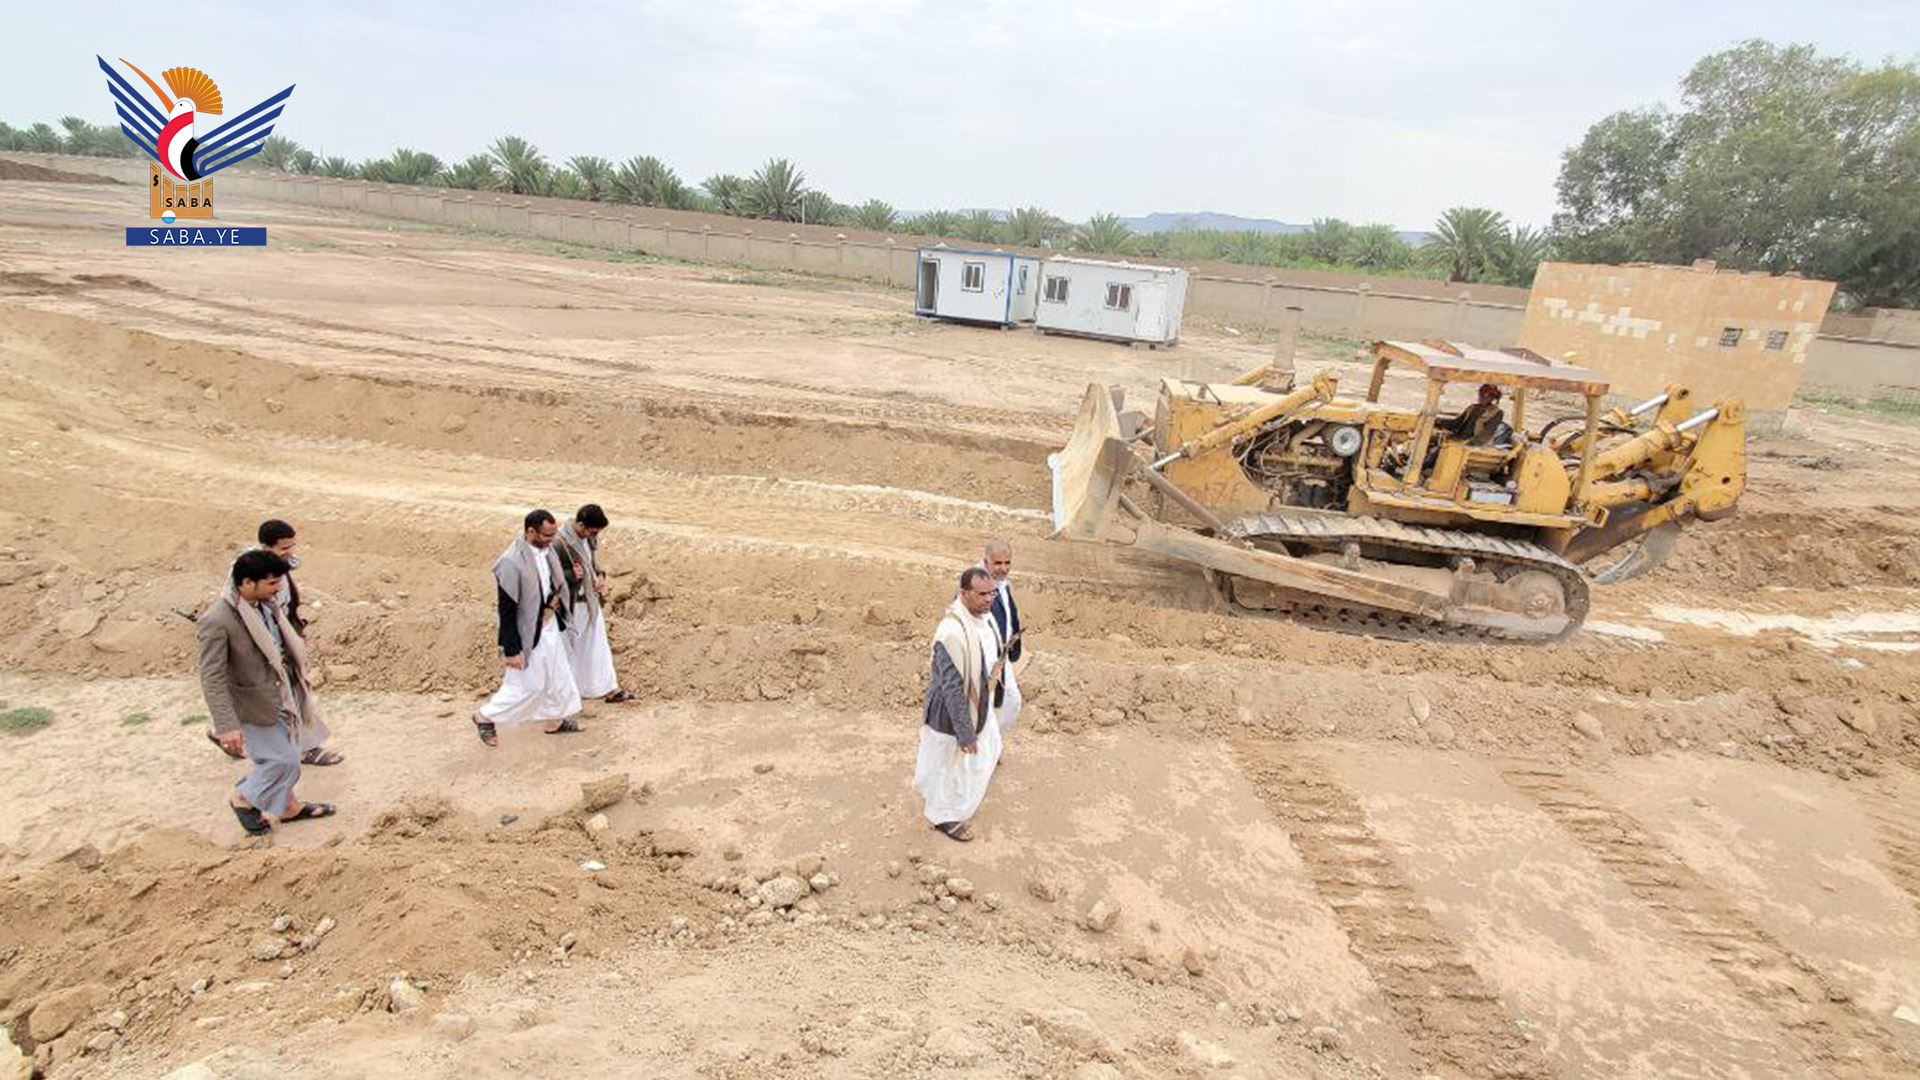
(26, 720)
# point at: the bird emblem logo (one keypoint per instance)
(185, 158)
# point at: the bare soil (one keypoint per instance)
(1332, 856)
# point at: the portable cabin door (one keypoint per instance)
(1150, 311)
(929, 286)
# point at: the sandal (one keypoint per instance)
(311, 811)
(619, 697)
(215, 741)
(253, 821)
(321, 756)
(488, 733)
(956, 830)
(569, 726)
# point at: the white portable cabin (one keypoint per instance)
(993, 287)
(1114, 300)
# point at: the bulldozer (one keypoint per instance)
(1355, 515)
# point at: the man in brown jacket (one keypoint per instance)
(253, 673)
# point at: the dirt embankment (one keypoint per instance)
(20, 170)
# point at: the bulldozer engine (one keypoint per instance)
(1365, 517)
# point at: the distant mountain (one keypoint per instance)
(1207, 219)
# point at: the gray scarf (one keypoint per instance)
(517, 572)
(587, 604)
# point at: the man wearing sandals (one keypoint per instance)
(588, 651)
(536, 681)
(959, 747)
(253, 671)
(278, 537)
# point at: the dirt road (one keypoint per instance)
(1331, 856)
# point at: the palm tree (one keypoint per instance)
(477, 173)
(776, 190)
(41, 139)
(1033, 226)
(644, 181)
(305, 162)
(1522, 255)
(728, 192)
(92, 140)
(276, 153)
(1104, 233)
(933, 223)
(1467, 243)
(978, 226)
(876, 215)
(566, 184)
(1379, 247)
(337, 167)
(1327, 240)
(819, 208)
(595, 173)
(524, 171)
(415, 167)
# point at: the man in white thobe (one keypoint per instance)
(959, 741)
(588, 650)
(537, 682)
(997, 561)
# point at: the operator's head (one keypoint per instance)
(1489, 394)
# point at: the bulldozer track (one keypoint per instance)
(1452, 1017)
(1330, 532)
(1835, 1035)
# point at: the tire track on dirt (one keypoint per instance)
(1897, 824)
(1453, 1019)
(1837, 1038)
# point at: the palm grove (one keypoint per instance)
(1777, 159)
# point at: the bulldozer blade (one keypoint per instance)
(1088, 473)
(1646, 557)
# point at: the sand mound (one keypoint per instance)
(20, 170)
(171, 929)
(1758, 549)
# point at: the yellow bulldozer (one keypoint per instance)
(1398, 522)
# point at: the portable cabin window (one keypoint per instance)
(1729, 337)
(973, 276)
(1056, 290)
(1020, 287)
(1119, 297)
(1776, 340)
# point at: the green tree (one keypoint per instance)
(978, 226)
(337, 167)
(933, 223)
(1379, 247)
(775, 191)
(305, 162)
(477, 173)
(1031, 226)
(876, 215)
(596, 176)
(523, 169)
(41, 139)
(566, 184)
(1521, 255)
(728, 192)
(276, 153)
(95, 140)
(403, 166)
(1468, 243)
(819, 208)
(1104, 233)
(1328, 239)
(647, 181)
(1778, 159)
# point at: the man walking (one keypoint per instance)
(253, 672)
(537, 683)
(588, 651)
(959, 746)
(278, 538)
(1006, 620)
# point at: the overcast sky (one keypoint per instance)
(1383, 110)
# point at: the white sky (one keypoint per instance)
(1384, 110)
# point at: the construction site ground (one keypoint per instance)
(1685, 843)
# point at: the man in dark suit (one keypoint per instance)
(998, 562)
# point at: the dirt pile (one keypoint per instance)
(1761, 549)
(175, 939)
(20, 170)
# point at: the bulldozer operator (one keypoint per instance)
(1482, 423)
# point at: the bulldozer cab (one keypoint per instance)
(1482, 463)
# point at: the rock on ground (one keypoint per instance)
(59, 1011)
(953, 1046)
(196, 1071)
(454, 1027)
(604, 792)
(784, 891)
(403, 997)
(1589, 725)
(1101, 915)
(1074, 1030)
(14, 1063)
(1208, 1055)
